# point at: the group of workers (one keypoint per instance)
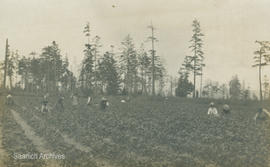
(261, 114)
(212, 110)
(59, 106)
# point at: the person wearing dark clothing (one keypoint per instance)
(44, 104)
(226, 109)
(60, 104)
(104, 103)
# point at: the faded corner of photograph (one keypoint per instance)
(124, 83)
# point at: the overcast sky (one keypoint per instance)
(230, 27)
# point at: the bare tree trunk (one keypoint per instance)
(194, 70)
(153, 60)
(201, 86)
(95, 72)
(194, 80)
(171, 93)
(10, 82)
(6, 60)
(144, 83)
(260, 80)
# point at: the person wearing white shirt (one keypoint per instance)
(261, 114)
(9, 100)
(212, 110)
(89, 100)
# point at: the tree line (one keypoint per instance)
(130, 71)
(47, 72)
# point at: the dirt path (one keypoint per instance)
(37, 141)
(70, 141)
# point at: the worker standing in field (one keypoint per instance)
(44, 104)
(262, 114)
(9, 100)
(74, 100)
(104, 104)
(89, 100)
(60, 104)
(212, 110)
(226, 109)
(126, 100)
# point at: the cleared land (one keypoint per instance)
(144, 132)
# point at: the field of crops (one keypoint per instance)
(146, 131)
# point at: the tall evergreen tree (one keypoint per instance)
(153, 39)
(261, 58)
(196, 61)
(87, 70)
(96, 55)
(129, 64)
(144, 68)
(108, 73)
(52, 65)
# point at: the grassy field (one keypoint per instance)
(144, 132)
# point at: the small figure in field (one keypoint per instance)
(261, 114)
(74, 99)
(127, 99)
(104, 104)
(44, 104)
(59, 106)
(9, 100)
(89, 100)
(226, 109)
(212, 110)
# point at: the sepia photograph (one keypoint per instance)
(134, 83)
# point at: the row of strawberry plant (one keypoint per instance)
(141, 126)
(19, 148)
